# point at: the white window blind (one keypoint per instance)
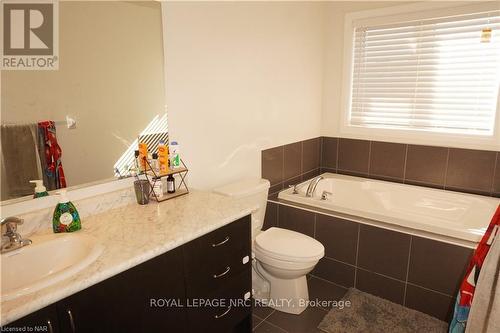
(439, 74)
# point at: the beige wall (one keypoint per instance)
(241, 77)
(110, 78)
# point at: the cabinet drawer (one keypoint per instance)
(228, 307)
(212, 260)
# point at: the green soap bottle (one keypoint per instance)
(40, 190)
(66, 217)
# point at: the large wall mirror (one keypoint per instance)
(110, 81)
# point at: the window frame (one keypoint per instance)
(411, 136)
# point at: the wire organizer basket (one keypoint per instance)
(181, 188)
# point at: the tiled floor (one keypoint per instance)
(267, 320)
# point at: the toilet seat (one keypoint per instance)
(289, 246)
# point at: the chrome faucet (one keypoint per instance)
(312, 186)
(325, 194)
(9, 230)
(295, 188)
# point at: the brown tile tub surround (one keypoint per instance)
(426, 166)
(471, 169)
(496, 180)
(329, 148)
(383, 251)
(290, 164)
(419, 273)
(434, 265)
(464, 170)
(353, 157)
(387, 161)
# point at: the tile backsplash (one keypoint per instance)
(464, 170)
(292, 163)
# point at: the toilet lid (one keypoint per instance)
(289, 245)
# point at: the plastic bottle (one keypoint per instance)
(155, 164)
(163, 157)
(40, 190)
(157, 188)
(66, 217)
(143, 155)
(175, 157)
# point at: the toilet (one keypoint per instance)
(283, 257)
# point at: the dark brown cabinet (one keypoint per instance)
(218, 268)
(212, 260)
(125, 302)
(184, 290)
(229, 309)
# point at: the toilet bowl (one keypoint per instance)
(283, 257)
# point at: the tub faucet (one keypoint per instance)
(312, 186)
(325, 194)
(295, 190)
(15, 240)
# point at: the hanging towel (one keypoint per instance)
(485, 310)
(19, 160)
(467, 291)
(50, 155)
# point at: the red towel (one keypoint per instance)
(53, 153)
(468, 285)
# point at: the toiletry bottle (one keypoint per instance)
(66, 217)
(143, 155)
(40, 190)
(137, 154)
(164, 185)
(155, 164)
(170, 184)
(163, 157)
(175, 157)
(158, 188)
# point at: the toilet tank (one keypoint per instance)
(253, 191)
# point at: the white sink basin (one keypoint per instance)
(48, 260)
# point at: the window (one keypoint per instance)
(426, 72)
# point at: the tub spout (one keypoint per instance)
(312, 186)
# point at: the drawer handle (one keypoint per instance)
(223, 314)
(216, 276)
(49, 325)
(221, 243)
(71, 321)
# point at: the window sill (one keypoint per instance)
(420, 137)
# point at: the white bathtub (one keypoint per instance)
(449, 216)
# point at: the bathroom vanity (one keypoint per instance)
(200, 284)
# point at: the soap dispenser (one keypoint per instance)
(66, 217)
(40, 190)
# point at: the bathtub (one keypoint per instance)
(443, 215)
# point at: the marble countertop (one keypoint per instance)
(132, 235)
